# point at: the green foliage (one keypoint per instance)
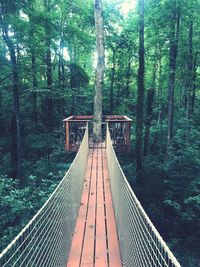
(171, 190)
(18, 205)
(171, 193)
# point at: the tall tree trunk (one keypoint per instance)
(128, 76)
(49, 100)
(15, 119)
(112, 79)
(190, 71)
(140, 95)
(49, 65)
(194, 83)
(34, 83)
(1, 114)
(149, 112)
(175, 20)
(148, 119)
(61, 78)
(99, 75)
(161, 96)
(61, 67)
(149, 109)
(74, 101)
(48, 105)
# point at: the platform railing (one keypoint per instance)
(46, 239)
(140, 243)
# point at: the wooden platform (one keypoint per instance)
(95, 242)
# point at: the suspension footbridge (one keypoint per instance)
(93, 218)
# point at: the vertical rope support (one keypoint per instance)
(140, 243)
(46, 239)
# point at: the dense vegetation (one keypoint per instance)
(47, 55)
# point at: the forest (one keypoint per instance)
(152, 75)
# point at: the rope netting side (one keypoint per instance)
(46, 239)
(140, 243)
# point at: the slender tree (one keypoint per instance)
(190, 70)
(140, 94)
(34, 83)
(194, 82)
(148, 118)
(128, 76)
(15, 118)
(174, 33)
(61, 69)
(99, 74)
(112, 79)
(48, 105)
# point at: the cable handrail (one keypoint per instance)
(140, 242)
(55, 219)
(46, 239)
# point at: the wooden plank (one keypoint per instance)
(113, 243)
(101, 248)
(87, 258)
(95, 241)
(76, 248)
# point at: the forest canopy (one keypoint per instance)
(152, 74)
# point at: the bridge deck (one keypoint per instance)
(95, 242)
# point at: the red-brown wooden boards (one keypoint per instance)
(95, 242)
(87, 258)
(76, 248)
(101, 257)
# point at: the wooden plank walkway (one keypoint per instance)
(95, 242)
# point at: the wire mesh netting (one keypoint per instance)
(140, 243)
(46, 239)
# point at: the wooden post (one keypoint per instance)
(67, 136)
(128, 135)
(107, 129)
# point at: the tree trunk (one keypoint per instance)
(112, 79)
(49, 65)
(61, 79)
(34, 83)
(128, 76)
(190, 72)
(16, 171)
(175, 19)
(140, 95)
(160, 86)
(159, 134)
(149, 109)
(48, 105)
(1, 115)
(49, 100)
(99, 75)
(61, 67)
(148, 119)
(194, 83)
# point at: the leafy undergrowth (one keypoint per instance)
(170, 195)
(18, 203)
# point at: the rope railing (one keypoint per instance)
(46, 239)
(140, 243)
